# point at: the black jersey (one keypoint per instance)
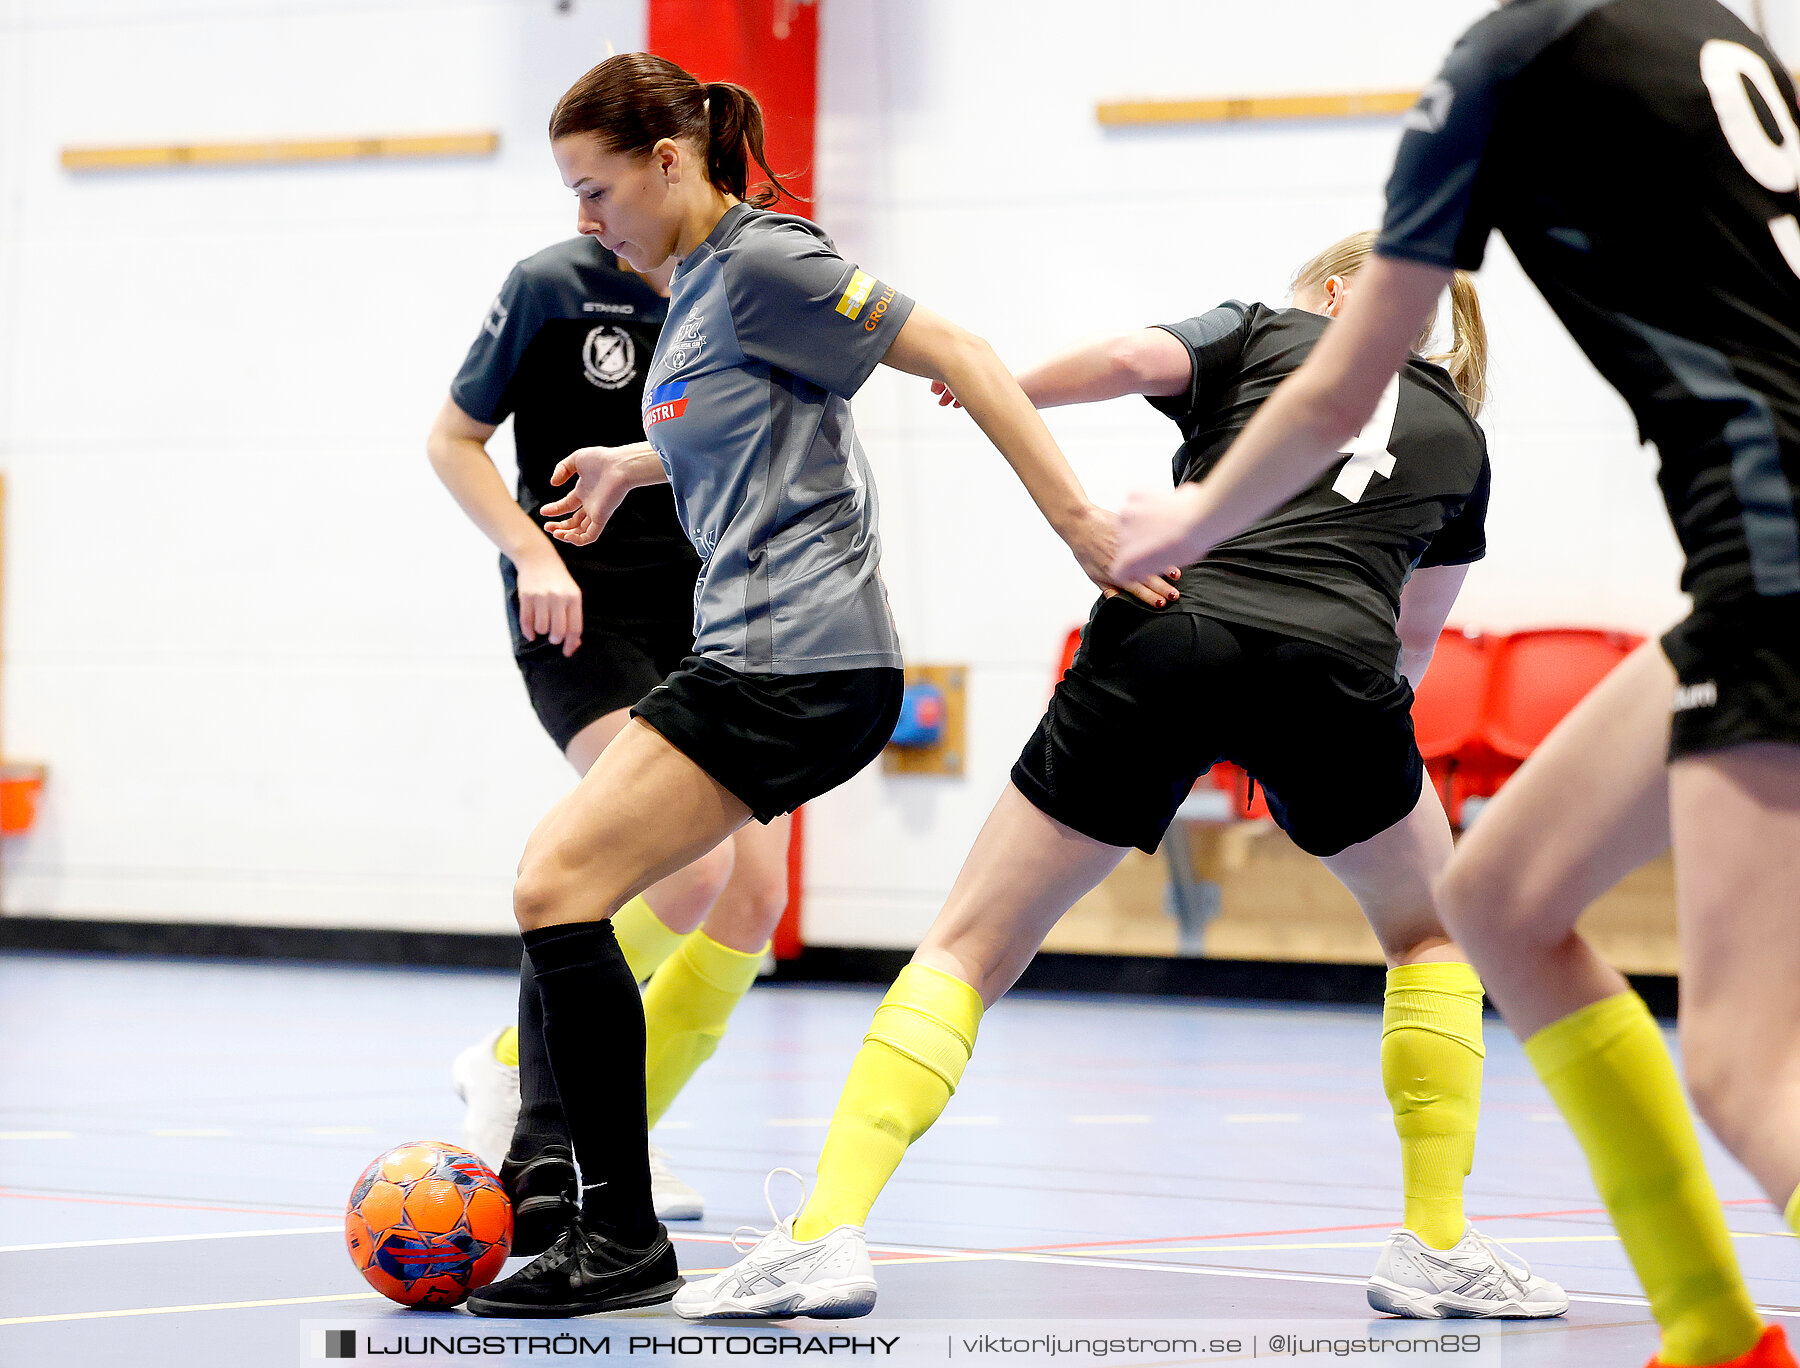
(1329, 565)
(564, 350)
(1641, 158)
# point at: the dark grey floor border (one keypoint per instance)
(1136, 975)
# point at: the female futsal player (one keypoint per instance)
(795, 681)
(1293, 653)
(594, 628)
(1641, 158)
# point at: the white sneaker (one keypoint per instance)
(829, 1278)
(1474, 1278)
(491, 1090)
(675, 1200)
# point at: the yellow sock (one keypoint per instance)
(685, 1009)
(1793, 1212)
(1609, 1071)
(643, 937)
(909, 1065)
(506, 1047)
(1431, 1057)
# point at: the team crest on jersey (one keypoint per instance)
(687, 342)
(609, 357)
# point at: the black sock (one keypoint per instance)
(540, 1126)
(594, 1038)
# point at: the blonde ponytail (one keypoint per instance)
(1467, 359)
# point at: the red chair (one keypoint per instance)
(1247, 800)
(1446, 713)
(1538, 677)
(1071, 644)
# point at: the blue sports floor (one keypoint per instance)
(177, 1141)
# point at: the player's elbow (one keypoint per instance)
(1133, 365)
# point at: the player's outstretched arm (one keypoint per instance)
(1106, 366)
(933, 347)
(1299, 431)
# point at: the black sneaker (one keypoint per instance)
(542, 1190)
(583, 1273)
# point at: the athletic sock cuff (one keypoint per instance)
(1443, 998)
(931, 1018)
(569, 944)
(1586, 1032)
(720, 966)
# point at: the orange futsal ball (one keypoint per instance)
(427, 1224)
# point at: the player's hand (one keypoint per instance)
(580, 516)
(1155, 530)
(1094, 539)
(945, 398)
(549, 601)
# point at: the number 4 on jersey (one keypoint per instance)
(1368, 450)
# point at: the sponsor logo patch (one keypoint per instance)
(600, 306)
(1691, 696)
(495, 322)
(665, 402)
(856, 294)
(1432, 111)
(881, 307)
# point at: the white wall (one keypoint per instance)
(961, 159)
(261, 651)
(259, 648)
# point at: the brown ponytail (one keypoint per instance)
(1467, 359)
(634, 100)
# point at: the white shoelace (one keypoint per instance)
(783, 1225)
(1518, 1274)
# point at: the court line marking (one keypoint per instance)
(1255, 1274)
(170, 1239)
(1336, 1229)
(1380, 1244)
(1248, 1117)
(177, 1310)
(37, 1135)
(160, 1206)
(908, 1254)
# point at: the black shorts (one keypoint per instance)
(1739, 671)
(620, 658)
(1155, 698)
(775, 741)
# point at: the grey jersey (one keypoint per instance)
(747, 402)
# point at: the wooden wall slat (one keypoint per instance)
(275, 152)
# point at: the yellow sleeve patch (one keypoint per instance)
(856, 294)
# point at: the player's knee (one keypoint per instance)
(1721, 1078)
(750, 910)
(540, 892)
(712, 872)
(1483, 902)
